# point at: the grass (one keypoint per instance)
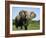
(34, 25)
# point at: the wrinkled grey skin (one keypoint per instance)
(24, 18)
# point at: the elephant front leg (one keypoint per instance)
(21, 27)
(25, 27)
(17, 27)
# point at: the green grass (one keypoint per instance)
(34, 25)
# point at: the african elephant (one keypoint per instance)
(23, 18)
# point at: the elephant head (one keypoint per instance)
(27, 14)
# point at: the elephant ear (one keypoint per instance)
(20, 13)
(33, 15)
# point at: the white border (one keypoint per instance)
(25, 31)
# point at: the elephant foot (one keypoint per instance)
(21, 27)
(25, 27)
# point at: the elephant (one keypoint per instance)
(24, 18)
